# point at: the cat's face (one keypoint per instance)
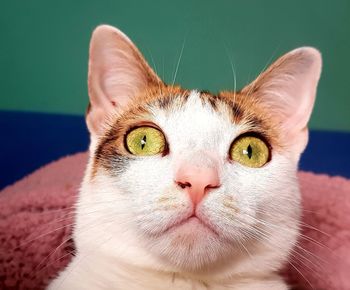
(188, 180)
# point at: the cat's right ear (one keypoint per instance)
(117, 72)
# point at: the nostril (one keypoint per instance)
(212, 186)
(183, 184)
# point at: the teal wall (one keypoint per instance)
(44, 46)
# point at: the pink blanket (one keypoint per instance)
(36, 218)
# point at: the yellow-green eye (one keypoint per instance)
(145, 141)
(250, 151)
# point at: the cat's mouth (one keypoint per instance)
(193, 223)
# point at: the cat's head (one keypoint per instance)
(188, 180)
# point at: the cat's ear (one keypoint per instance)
(117, 72)
(288, 89)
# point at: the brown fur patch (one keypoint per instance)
(111, 149)
(248, 110)
(245, 109)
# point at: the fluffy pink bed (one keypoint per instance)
(36, 222)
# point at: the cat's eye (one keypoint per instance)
(145, 141)
(250, 151)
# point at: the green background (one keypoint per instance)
(44, 47)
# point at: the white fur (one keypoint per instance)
(120, 220)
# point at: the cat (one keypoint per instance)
(185, 189)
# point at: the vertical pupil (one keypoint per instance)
(143, 141)
(249, 151)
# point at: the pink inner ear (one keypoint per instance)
(115, 67)
(299, 96)
(117, 73)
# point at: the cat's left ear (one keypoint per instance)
(288, 89)
(117, 73)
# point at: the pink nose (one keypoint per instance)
(197, 181)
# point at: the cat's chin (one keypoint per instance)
(191, 245)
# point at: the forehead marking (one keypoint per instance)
(235, 110)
